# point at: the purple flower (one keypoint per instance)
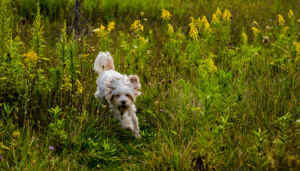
(37, 145)
(270, 19)
(161, 110)
(234, 29)
(51, 148)
(182, 32)
(33, 138)
(1, 158)
(185, 27)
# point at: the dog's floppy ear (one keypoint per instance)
(110, 87)
(135, 83)
(137, 93)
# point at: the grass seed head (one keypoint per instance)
(265, 39)
(16, 135)
(255, 23)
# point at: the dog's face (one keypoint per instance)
(122, 91)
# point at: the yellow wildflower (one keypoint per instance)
(280, 20)
(165, 15)
(85, 55)
(193, 32)
(124, 45)
(142, 39)
(207, 27)
(16, 135)
(102, 28)
(170, 30)
(256, 32)
(298, 50)
(285, 29)
(136, 26)
(226, 15)
(100, 31)
(67, 86)
(218, 13)
(192, 18)
(31, 76)
(31, 56)
(204, 20)
(198, 22)
(244, 38)
(110, 26)
(212, 67)
(291, 15)
(215, 19)
(205, 24)
(98, 166)
(79, 87)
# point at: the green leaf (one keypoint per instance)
(150, 112)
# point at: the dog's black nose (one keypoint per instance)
(123, 102)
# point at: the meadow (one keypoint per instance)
(220, 85)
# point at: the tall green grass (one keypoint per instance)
(217, 94)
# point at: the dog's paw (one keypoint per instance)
(137, 135)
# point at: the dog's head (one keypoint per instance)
(122, 91)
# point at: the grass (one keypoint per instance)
(219, 92)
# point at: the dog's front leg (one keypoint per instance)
(117, 114)
(136, 130)
(126, 121)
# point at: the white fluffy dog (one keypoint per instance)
(119, 90)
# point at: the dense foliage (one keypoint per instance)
(220, 85)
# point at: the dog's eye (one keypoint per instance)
(127, 94)
(117, 95)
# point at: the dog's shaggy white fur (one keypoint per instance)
(119, 90)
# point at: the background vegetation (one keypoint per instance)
(220, 85)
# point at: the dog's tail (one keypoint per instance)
(104, 62)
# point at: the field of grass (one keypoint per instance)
(220, 85)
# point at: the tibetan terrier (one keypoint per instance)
(119, 90)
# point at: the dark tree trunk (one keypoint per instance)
(76, 20)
